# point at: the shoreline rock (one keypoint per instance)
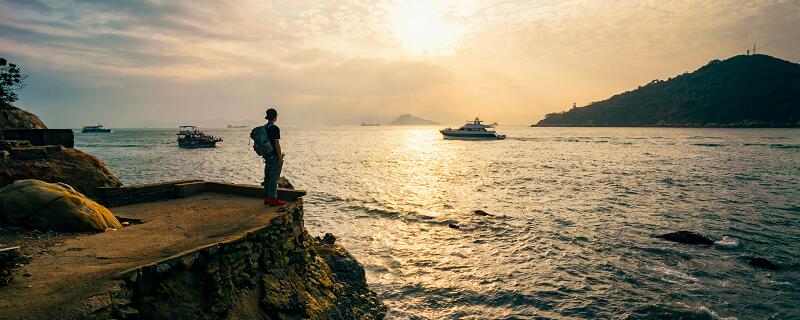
(56, 164)
(19, 160)
(763, 263)
(49, 206)
(686, 237)
(277, 272)
(481, 213)
(16, 118)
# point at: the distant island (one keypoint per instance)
(411, 120)
(742, 91)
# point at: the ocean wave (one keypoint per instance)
(784, 146)
(672, 275)
(708, 144)
(675, 311)
(792, 209)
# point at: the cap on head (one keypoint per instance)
(271, 113)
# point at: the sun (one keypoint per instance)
(421, 29)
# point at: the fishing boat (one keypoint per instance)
(98, 128)
(192, 137)
(473, 130)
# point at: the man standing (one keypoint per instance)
(273, 161)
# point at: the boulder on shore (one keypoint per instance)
(57, 164)
(52, 206)
(686, 237)
(284, 183)
(16, 118)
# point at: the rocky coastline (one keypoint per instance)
(276, 271)
(16, 118)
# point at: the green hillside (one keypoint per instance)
(742, 91)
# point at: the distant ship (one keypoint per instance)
(370, 124)
(95, 128)
(473, 130)
(192, 137)
(237, 126)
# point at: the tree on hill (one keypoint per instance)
(11, 81)
(743, 91)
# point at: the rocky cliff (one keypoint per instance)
(16, 118)
(275, 272)
(20, 160)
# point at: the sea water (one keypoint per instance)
(572, 212)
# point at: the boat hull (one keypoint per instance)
(96, 131)
(452, 135)
(195, 145)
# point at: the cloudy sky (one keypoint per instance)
(163, 63)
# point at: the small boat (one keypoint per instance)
(230, 126)
(473, 130)
(370, 124)
(96, 128)
(192, 137)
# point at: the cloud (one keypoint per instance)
(339, 59)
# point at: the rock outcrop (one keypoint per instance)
(284, 183)
(275, 272)
(763, 264)
(55, 164)
(48, 206)
(16, 118)
(686, 237)
(481, 213)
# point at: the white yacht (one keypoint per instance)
(473, 130)
(96, 128)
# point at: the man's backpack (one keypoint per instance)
(261, 144)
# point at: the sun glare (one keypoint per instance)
(421, 29)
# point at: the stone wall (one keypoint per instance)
(120, 196)
(277, 271)
(42, 137)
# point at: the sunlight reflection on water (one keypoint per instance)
(572, 213)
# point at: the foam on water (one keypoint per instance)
(727, 243)
(573, 211)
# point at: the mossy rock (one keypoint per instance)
(52, 206)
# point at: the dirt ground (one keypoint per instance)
(66, 269)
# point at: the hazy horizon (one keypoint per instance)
(153, 64)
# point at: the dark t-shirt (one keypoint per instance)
(273, 132)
